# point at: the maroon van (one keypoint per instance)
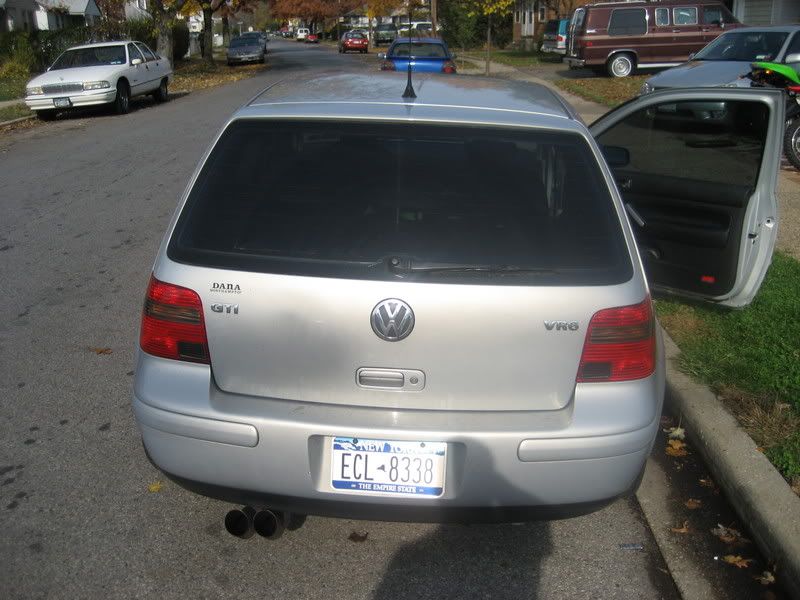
(619, 37)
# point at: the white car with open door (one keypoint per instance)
(471, 336)
(102, 73)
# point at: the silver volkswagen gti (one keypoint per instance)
(437, 308)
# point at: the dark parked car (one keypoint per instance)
(260, 35)
(555, 36)
(619, 37)
(385, 33)
(246, 49)
(428, 55)
(353, 41)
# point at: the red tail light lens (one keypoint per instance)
(172, 323)
(793, 88)
(449, 67)
(620, 345)
(560, 38)
(387, 65)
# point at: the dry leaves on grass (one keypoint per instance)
(693, 503)
(729, 535)
(676, 448)
(676, 433)
(737, 561)
(684, 529)
(155, 487)
(197, 76)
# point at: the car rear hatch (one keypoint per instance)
(489, 237)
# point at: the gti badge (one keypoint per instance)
(392, 320)
(225, 308)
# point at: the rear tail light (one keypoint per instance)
(172, 323)
(449, 67)
(387, 65)
(560, 38)
(620, 344)
(793, 88)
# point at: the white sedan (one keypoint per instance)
(101, 73)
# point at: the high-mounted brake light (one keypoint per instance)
(172, 323)
(620, 344)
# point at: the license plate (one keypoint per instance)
(388, 468)
(62, 102)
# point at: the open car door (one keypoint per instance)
(697, 170)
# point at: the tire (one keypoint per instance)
(46, 115)
(122, 103)
(621, 65)
(791, 143)
(162, 93)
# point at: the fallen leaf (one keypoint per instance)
(676, 433)
(737, 561)
(684, 529)
(705, 482)
(665, 420)
(760, 449)
(358, 537)
(155, 487)
(101, 350)
(729, 535)
(766, 578)
(676, 448)
(693, 503)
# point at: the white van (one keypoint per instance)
(302, 34)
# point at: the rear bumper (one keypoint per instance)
(574, 62)
(500, 466)
(553, 49)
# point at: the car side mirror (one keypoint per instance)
(136, 61)
(616, 156)
(382, 55)
(792, 58)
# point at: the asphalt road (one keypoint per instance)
(83, 204)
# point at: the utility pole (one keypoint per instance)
(434, 4)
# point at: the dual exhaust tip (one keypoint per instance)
(244, 522)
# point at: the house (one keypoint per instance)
(529, 19)
(767, 12)
(28, 15)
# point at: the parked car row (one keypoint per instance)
(247, 48)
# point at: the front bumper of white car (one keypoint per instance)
(71, 100)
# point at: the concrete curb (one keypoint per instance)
(759, 495)
(12, 121)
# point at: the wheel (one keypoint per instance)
(162, 93)
(122, 103)
(46, 115)
(791, 143)
(620, 65)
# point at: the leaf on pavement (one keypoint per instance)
(729, 535)
(693, 503)
(155, 487)
(101, 350)
(706, 482)
(676, 433)
(684, 529)
(766, 578)
(676, 448)
(737, 561)
(356, 536)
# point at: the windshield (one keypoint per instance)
(241, 42)
(90, 57)
(355, 35)
(419, 50)
(744, 46)
(431, 194)
(385, 27)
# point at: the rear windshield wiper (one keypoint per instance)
(400, 266)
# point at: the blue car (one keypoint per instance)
(427, 55)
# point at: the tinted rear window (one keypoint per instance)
(552, 27)
(628, 21)
(419, 50)
(341, 199)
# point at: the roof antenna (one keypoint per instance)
(409, 93)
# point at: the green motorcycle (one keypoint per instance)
(785, 77)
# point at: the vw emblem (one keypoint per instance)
(392, 320)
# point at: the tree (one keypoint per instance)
(459, 24)
(489, 9)
(380, 8)
(164, 13)
(563, 8)
(208, 8)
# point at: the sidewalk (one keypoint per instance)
(5, 103)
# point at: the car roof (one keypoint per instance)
(427, 40)
(779, 28)
(378, 96)
(96, 44)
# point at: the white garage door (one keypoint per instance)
(757, 12)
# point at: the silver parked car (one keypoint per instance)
(103, 73)
(726, 60)
(468, 336)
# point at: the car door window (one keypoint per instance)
(794, 45)
(148, 54)
(684, 15)
(133, 53)
(628, 21)
(712, 15)
(662, 17)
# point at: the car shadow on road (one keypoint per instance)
(469, 561)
